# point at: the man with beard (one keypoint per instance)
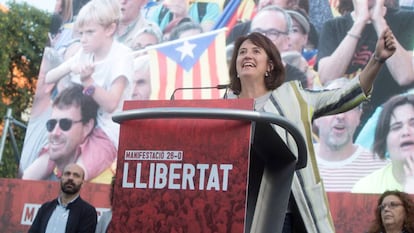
(341, 162)
(69, 212)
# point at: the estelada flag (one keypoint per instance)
(193, 62)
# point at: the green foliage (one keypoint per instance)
(9, 163)
(23, 36)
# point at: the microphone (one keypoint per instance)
(218, 87)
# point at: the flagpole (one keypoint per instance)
(227, 14)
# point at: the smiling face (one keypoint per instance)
(400, 138)
(252, 60)
(392, 215)
(63, 144)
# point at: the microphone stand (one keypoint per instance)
(219, 87)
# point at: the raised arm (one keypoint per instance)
(385, 48)
(400, 64)
(59, 72)
(329, 67)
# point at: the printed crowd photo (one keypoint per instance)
(104, 128)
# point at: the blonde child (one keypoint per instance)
(105, 69)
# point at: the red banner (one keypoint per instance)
(352, 212)
(182, 175)
(148, 200)
(21, 199)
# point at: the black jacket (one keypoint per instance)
(82, 217)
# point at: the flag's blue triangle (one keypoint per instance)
(187, 52)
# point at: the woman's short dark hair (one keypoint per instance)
(277, 74)
(383, 124)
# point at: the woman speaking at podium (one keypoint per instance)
(257, 72)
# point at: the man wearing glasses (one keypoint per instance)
(73, 138)
(275, 23)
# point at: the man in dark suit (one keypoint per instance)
(68, 213)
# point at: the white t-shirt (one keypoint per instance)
(119, 62)
(341, 176)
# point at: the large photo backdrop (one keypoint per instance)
(149, 50)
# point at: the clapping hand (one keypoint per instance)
(361, 10)
(378, 11)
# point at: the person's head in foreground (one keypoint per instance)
(395, 213)
(256, 58)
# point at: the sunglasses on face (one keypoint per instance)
(65, 124)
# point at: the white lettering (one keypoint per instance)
(226, 169)
(125, 183)
(174, 176)
(138, 183)
(29, 213)
(151, 176)
(178, 176)
(213, 179)
(202, 168)
(161, 171)
(188, 176)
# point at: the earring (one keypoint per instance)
(266, 74)
(238, 76)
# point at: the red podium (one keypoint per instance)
(202, 166)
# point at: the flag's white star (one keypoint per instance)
(186, 50)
